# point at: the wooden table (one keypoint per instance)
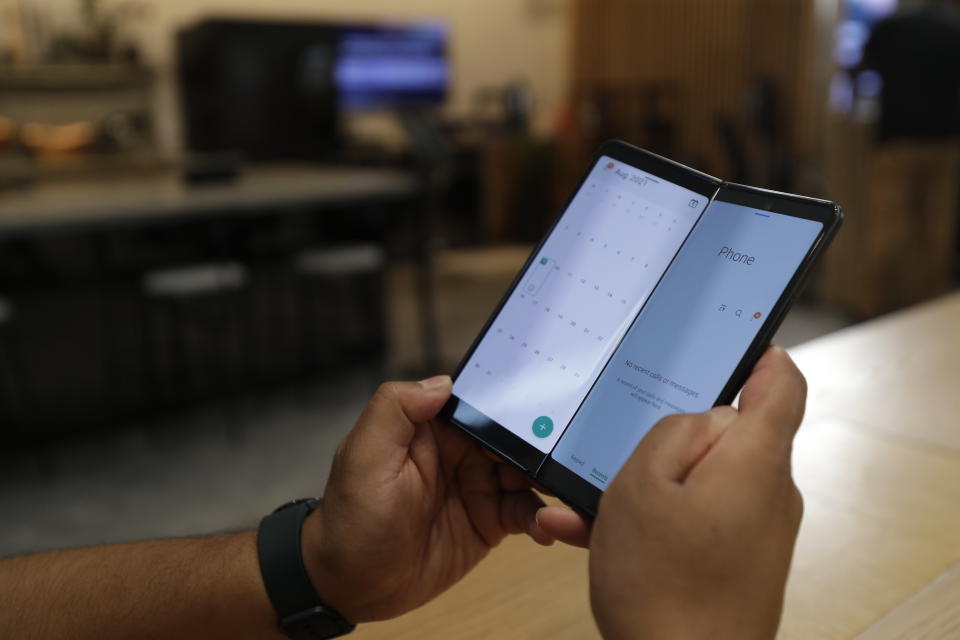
(878, 462)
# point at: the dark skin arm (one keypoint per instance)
(185, 588)
(410, 507)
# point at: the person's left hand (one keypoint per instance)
(412, 504)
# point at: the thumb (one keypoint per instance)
(390, 418)
(774, 398)
(564, 524)
(676, 444)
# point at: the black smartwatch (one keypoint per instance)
(300, 613)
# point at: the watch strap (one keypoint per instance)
(301, 614)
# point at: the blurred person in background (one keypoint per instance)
(693, 538)
(916, 51)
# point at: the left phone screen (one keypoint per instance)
(553, 335)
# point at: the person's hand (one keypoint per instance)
(694, 536)
(412, 504)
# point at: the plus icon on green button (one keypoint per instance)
(542, 427)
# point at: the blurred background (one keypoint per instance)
(223, 222)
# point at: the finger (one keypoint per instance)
(542, 490)
(565, 525)
(493, 511)
(492, 456)
(389, 420)
(512, 479)
(774, 397)
(674, 446)
(518, 514)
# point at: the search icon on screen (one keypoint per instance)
(739, 312)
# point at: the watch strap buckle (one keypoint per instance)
(315, 622)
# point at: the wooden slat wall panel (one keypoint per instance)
(713, 51)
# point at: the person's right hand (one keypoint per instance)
(694, 536)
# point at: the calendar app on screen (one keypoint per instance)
(588, 281)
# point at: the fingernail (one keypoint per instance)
(436, 382)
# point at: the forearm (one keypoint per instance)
(183, 588)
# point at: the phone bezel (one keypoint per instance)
(823, 211)
(492, 435)
(584, 496)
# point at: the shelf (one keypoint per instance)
(73, 77)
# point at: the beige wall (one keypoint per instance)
(493, 41)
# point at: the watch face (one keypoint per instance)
(318, 623)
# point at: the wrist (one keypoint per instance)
(322, 569)
(246, 585)
(300, 612)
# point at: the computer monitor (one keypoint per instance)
(391, 66)
(275, 90)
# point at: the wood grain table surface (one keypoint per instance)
(878, 462)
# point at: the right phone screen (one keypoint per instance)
(691, 334)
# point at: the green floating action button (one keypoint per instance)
(542, 427)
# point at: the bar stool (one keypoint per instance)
(193, 332)
(13, 385)
(341, 300)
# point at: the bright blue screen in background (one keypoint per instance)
(388, 67)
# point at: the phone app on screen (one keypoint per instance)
(584, 287)
(688, 339)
